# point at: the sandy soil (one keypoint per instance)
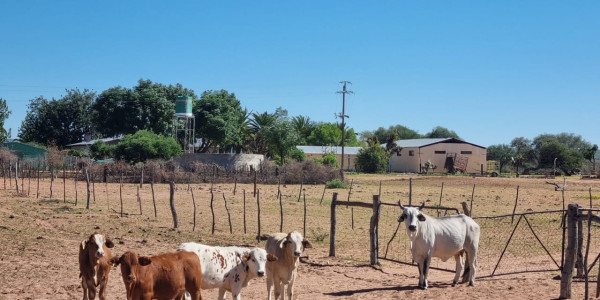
(39, 237)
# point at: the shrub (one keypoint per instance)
(336, 184)
(298, 155)
(145, 145)
(372, 159)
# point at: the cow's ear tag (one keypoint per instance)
(83, 245)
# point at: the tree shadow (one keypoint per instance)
(391, 288)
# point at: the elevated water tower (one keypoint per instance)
(184, 124)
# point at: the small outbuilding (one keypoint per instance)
(438, 155)
(25, 151)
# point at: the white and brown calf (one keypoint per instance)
(229, 268)
(94, 265)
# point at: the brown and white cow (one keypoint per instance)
(288, 248)
(94, 265)
(229, 268)
(164, 276)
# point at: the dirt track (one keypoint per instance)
(39, 238)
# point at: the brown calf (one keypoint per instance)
(164, 276)
(94, 265)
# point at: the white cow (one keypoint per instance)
(287, 248)
(228, 268)
(441, 237)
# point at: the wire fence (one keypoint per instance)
(508, 244)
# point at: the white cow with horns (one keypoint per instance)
(442, 237)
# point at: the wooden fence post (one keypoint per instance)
(87, 181)
(258, 206)
(244, 191)
(332, 230)
(228, 215)
(172, 202)
(566, 277)
(374, 231)
(194, 203)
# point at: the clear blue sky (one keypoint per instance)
(489, 70)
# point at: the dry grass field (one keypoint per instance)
(39, 236)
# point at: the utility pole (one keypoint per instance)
(343, 116)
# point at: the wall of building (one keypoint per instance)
(437, 153)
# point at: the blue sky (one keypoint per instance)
(489, 70)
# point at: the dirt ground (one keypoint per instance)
(39, 236)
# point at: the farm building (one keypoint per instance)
(25, 151)
(318, 151)
(240, 162)
(446, 155)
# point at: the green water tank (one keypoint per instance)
(183, 106)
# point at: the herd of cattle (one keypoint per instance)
(183, 273)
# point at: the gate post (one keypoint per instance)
(566, 277)
(332, 230)
(374, 231)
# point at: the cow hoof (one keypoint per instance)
(454, 283)
(471, 283)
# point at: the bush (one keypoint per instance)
(336, 184)
(298, 155)
(101, 150)
(372, 159)
(144, 145)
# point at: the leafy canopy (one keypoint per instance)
(144, 145)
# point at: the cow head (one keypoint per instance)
(95, 244)
(296, 243)
(130, 263)
(412, 216)
(255, 261)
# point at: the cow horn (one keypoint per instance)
(400, 203)
(422, 205)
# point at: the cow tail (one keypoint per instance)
(467, 271)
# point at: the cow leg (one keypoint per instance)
(85, 289)
(472, 262)
(420, 267)
(290, 288)
(269, 286)
(221, 293)
(426, 263)
(91, 288)
(459, 266)
(278, 293)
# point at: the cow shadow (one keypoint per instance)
(391, 288)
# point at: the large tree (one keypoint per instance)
(148, 105)
(304, 126)
(281, 139)
(502, 153)
(4, 113)
(218, 117)
(61, 122)
(523, 153)
(441, 132)
(382, 134)
(325, 134)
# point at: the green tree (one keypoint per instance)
(567, 160)
(401, 132)
(4, 114)
(218, 117)
(372, 159)
(259, 123)
(298, 155)
(304, 126)
(62, 122)
(147, 105)
(590, 154)
(144, 145)
(101, 150)
(523, 153)
(441, 132)
(325, 134)
(502, 153)
(281, 139)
